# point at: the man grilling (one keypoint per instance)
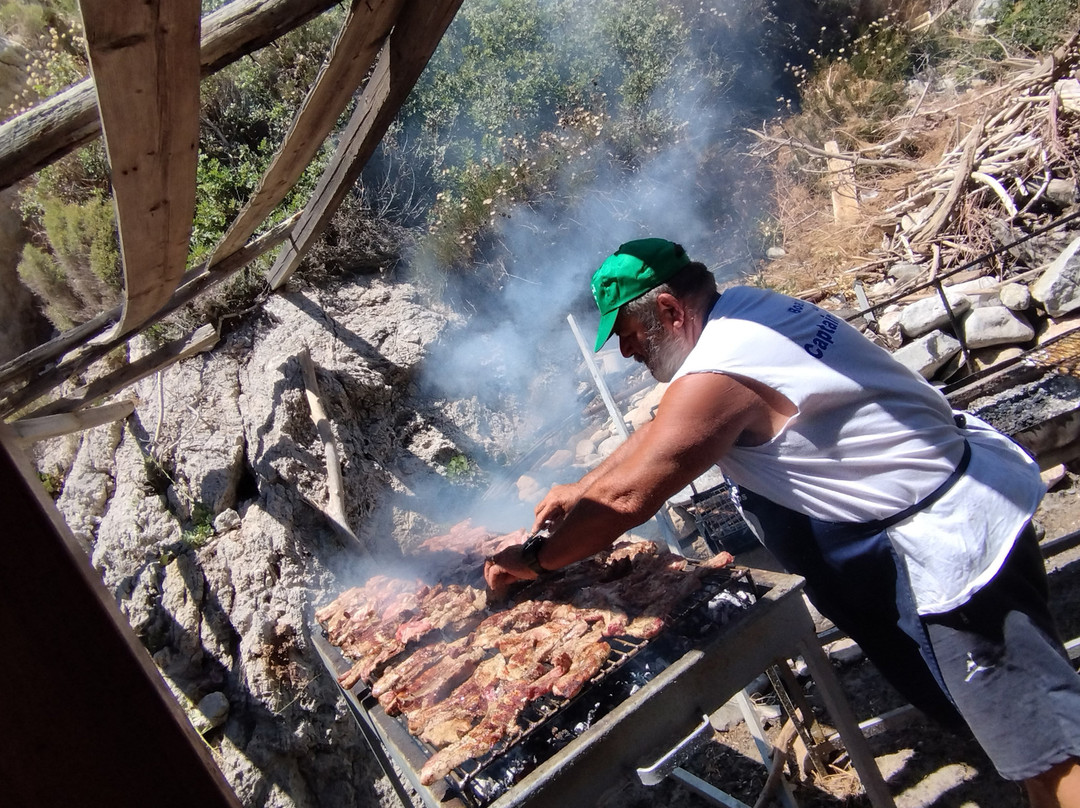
(911, 523)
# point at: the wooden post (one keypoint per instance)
(845, 200)
(144, 59)
(69, 119)
(349, 60)
(420, 26)
(335, 489)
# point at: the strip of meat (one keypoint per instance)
(453, 609)
(505, 706)
(415, 664)
(588, 654)
(446, 722)
(435, 683)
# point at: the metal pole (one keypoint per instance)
(667, 529)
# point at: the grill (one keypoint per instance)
(647, 697)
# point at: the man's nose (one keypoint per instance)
(626, 347)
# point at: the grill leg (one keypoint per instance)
(376, 747)
(706, 789)
(846, 724)
(753, 723)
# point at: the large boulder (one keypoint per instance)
(1058, 287)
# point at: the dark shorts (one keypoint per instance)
(1007, 671)
(994, 666)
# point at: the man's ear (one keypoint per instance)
(670, 310)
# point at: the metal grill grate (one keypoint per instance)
(718, 519)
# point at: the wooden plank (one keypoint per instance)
(31, 430)
(420, 26)
(195, 282)
(144, 59)
(335, 488)
(202, 339)
(42, 135)
(349, 60)
(122, 740)
(21, 367)
(845, 201)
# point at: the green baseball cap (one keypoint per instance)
(634, 269)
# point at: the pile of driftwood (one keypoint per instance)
(1011, 169)
(1024, 139)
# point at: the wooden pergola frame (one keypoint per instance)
(89, 717)
(143, 98)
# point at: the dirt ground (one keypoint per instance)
(924, 766)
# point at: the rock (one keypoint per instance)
(995, 325)
(227, 520)
(727, 717)
(774, 253)
(1058, 287)
(1054, 475)
(1068, 93)
(1061, 192)
(585, 447)
(528, 489)
(988, 357)
(682, 521)
(559, 459)
(928, 314)
(928, 354)
(981, 291)
(214, 707)
(845, 651)
(904, 272)
(889, 322)
(984, 14)
(609, 445)
(1015, 296)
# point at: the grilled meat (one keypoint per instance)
(462, 675)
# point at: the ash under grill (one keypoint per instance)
(1035, 399)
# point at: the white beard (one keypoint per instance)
(664, 354)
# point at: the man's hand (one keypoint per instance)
(558, 502)
(504, 569)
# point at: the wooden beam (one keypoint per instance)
(420, 26)
(195, 282)
(845, 199)
(31, 430)
(69, 119)
(202, 339)
(21, 367)
(349, 60)
(144, 59)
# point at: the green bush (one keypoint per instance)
(1039, 25)
(76, 273)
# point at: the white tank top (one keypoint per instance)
(869, 438)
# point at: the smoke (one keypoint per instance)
(516, 349)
